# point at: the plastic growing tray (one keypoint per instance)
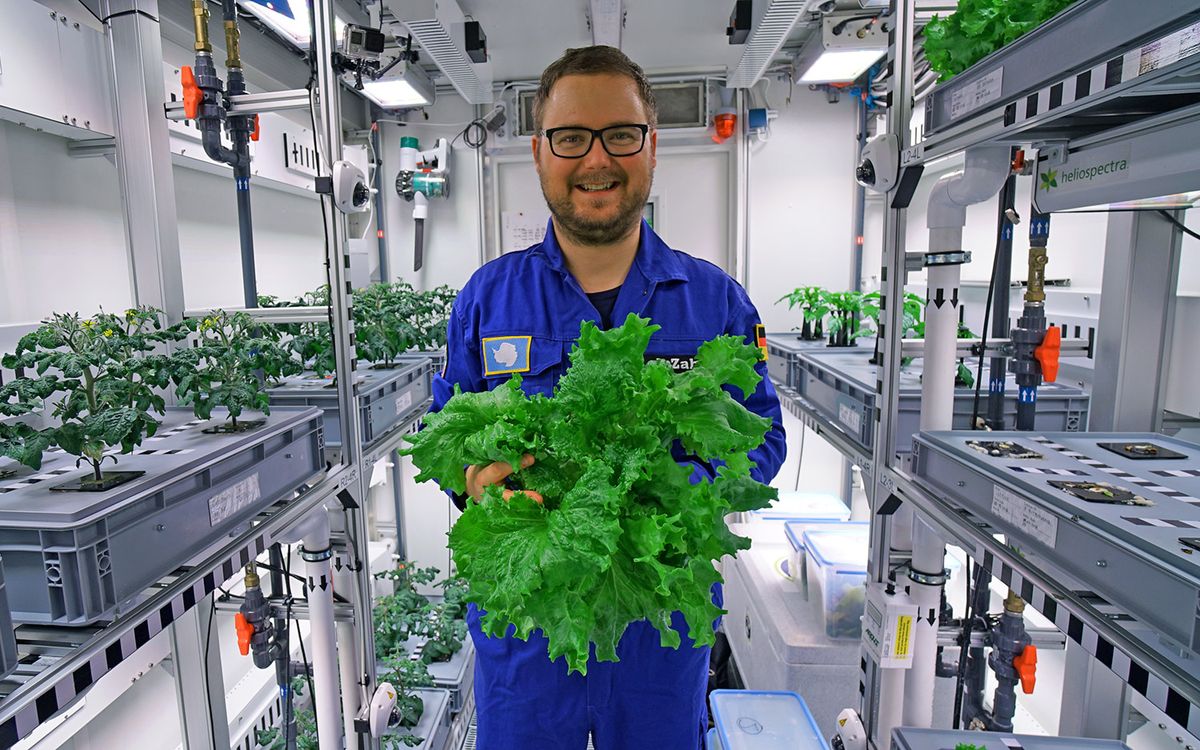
(841, 386)
(783, 350)
(456, 676)
(904, 738)
(434, 726)
(74, 558)
(385, 397)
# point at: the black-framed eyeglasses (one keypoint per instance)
(575, 143)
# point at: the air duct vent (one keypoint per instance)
(767, 35)
(680, 105)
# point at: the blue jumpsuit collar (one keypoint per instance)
(655, 262)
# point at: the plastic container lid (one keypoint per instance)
(760, 720)
(797, 530)
(845, 549)
(800, 506)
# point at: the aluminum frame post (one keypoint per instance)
(880, 709)
(328, 117)
(1095, 701)
(1137, 321)
(199, 680)
(143, 155)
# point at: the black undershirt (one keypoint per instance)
(604, 303)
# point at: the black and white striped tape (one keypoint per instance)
(60, 695)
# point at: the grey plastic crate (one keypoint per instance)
(905, 738)
(783, 350)
(842, 387)
(457, 675)
(74, 558)
(8, 638)
(385, 397)
(434, 726)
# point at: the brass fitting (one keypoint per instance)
(233, 57)
(200, 21)
(1036, 291)
(252, 579)
(1014, 604)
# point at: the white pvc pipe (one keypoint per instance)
(891, 705)
(929, 554)
(324, 644)
(941, 342)
(347, 647)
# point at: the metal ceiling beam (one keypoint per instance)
(607, 18)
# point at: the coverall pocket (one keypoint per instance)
(540, 367)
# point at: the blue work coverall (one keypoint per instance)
(521, 313)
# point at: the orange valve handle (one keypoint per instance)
(1026, 664)
(255, 133)
(192, 95)
(1047, 354)
(244, 632)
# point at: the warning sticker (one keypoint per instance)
(1028, 518)
(904, 633)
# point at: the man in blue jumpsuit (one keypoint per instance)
(595, 157)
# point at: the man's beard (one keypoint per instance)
(591, 232)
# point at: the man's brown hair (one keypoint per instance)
(589, 61)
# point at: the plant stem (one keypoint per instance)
(96, 473)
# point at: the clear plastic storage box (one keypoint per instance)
(794, 532)
(837, 573)
(759, 720)
(803, 506)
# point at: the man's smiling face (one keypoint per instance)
(596, 199)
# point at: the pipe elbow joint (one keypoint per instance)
(986, 169)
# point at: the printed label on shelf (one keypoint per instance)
(404, 403)
(850, 417)
(978, 94)
(1025, 516)
(1171, 48)
(231, 501)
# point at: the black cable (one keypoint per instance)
(265, 566)
(987, 319)
(1179, 224)
(312, 693)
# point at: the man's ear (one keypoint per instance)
(653, 149)
(535, 144)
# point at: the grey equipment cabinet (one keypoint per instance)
(1117, 512)
(385, 397)
(75, 558)
(905, 738)
(841, 386)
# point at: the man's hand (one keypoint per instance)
(480, 477)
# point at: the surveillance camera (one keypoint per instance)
(828, 6)
(879, 167)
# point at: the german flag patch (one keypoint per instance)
(760, 339)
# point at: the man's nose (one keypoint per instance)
(596, 157)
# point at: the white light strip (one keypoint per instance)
(839, 65)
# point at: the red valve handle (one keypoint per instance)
(1026, 664)
(192, 95)
(255, 133)
(244, 632)
(1047, 354)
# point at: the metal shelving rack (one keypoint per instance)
(62, 664)
(1104, 72)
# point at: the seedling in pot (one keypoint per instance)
(814, 306)
(109, 370)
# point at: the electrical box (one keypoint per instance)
(889, 628)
